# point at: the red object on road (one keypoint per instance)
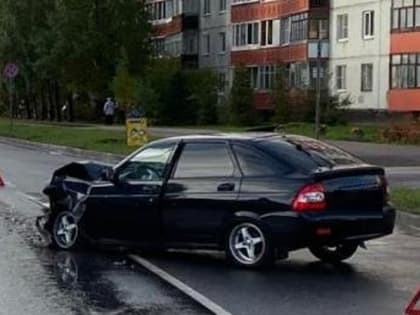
(413, 307)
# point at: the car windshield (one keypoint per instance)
(307, 154)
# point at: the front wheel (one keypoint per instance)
(248, 246)
(65, 231)
(334, 254)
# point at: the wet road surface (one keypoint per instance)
(36, 280)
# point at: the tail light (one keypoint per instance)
(1, 182)
(310, 198)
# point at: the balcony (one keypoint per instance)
(319, 3)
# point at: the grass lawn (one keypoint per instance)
(341, 132)
(83, 138)
(406, 199)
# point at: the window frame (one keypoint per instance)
(403, 68)
(364, 87)
(264, 155)
(342, 32)
(368, 27)
(342, 77)
(166, 171)
(397, 12)
(180, 152)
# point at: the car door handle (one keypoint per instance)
(226, 187)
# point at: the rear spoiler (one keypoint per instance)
(341, 171)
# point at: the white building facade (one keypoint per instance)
(359, 51)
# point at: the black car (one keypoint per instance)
(256, 196)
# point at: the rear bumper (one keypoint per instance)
(314, 229)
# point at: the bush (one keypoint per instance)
(242, 107)
(409, 134)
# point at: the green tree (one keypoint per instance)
(280, 96)
(124, 86)
(203, 87)
(242, 108)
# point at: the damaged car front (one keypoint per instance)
(67, 192)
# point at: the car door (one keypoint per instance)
(128, 208)
(200, 192)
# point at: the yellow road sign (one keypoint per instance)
(136, 132)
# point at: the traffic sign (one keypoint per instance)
(11, 71)
(413, 307)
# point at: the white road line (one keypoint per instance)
(35, 200)
(198, 297)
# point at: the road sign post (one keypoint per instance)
(10, 72)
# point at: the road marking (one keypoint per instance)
(37, 201)
(198, 297)
(10, 184)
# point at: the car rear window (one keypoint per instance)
(307, 154)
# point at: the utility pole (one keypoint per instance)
(318, 91)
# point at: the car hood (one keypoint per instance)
(75, 177)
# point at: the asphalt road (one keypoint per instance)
(36, 280)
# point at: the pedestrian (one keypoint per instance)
(109, 111)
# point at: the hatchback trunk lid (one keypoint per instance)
(356, 188)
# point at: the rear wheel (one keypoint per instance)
(334, 254)
(65, 231)
(248, 246)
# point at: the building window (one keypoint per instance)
(298, 75)
(157, 10)
(222, 5)
(340, 74)
(245, 34)
(285, 31)
(405, 71)
(405, 14)
(342, 27)
(206, 7)
(318, 29)
(266, 33)
(222, 42)
(206, 44)
(298, 27)
(367, 77)
(368, 24)
(262, 77)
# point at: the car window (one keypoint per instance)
(148, 165)
(254, 163)
(204, 160)
(306, 154)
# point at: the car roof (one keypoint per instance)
(243, 136)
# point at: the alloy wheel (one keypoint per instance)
(247, 244)
(66, 230)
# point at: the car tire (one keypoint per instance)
(65, 234)
(334, 254)
(248, 245)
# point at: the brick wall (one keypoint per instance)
(267, 10)
(274, 55)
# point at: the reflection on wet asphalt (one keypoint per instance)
(36, 280)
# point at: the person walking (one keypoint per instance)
(109, 111)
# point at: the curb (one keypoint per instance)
(408, 221)
(74, 152)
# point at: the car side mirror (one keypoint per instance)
(110, 175)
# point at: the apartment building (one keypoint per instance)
(359, 60)
(268, 33)
(369, 49)
(404, 93)
(215, 38)
(176, 29)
